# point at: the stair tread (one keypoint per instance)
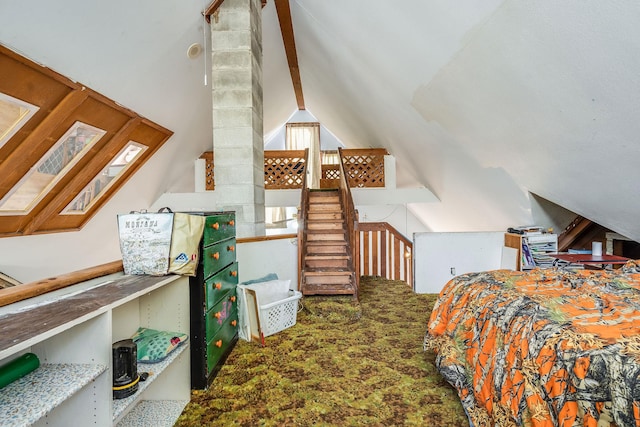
(329, 271)
(324, 207)
(341, 290)
(328, 255)
(323, 219)
(321, 249)
(327, 261)
(330, 229)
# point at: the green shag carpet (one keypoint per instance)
(345, 363)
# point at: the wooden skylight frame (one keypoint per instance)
(51, 168)
(56, 104)
(14, 113)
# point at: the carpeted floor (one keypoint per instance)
(345, 363)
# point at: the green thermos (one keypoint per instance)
(18, 368)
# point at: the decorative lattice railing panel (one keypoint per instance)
(210, 183)
(330, 172)
(365, 168)
(283, 169)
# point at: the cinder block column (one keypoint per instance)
(236, 34)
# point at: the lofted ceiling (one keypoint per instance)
(482, 102)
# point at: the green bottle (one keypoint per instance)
(18, 368)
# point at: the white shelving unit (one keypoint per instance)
(72, 336)
(538, 244)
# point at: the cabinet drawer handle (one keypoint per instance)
(215, 255)
(231, 248)
(234, 273)
(234, 322)
(217, 315)
(215, 226)
(218, 285)
(233, 298)
(219, 343)
(231, 223)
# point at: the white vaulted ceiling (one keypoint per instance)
(482, 102)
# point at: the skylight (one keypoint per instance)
(13, 114)
(107, 177)
(65, 149)
(52, 166)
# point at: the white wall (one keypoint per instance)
(399, 216)
(257, 259)
(438, 257)
(37, 257)
(276, 139)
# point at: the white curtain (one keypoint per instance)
(306, 135)
(330, 158)
(275, 217)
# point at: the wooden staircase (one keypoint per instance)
(327, 267)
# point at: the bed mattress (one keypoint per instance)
(542, 348)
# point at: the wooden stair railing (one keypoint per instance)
(302, 220)
(385, 252)
(572, 232)
(351, 218)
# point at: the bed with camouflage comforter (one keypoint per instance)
(542, 348)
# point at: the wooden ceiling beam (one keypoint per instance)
(286, 28)
(288, 39)
(213, 8)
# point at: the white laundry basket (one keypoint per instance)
(269, 307)
(279, 315)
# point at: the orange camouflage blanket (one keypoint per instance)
(542, 348)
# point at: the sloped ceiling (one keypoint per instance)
(482, 102)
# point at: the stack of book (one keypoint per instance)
(536, 245)
(540, 246)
